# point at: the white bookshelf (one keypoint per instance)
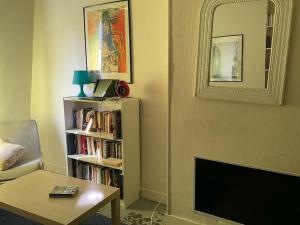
(130, 140)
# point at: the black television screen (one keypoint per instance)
(246, 195)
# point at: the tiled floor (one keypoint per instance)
(139, 213)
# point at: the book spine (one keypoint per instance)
(83, 145)
(117, 131)
(93, 146)
(106, 149)
(78, 144)
(71, 144)
(89, 147)
(99, 149)
(74, 114)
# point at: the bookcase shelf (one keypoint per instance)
(93, 160)
(93, 164)
(101, 135)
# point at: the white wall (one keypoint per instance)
(249, 134)
(16, 25)
(59, 50)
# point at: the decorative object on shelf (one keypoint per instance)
(81, 77)
(105, 88)
(122, 89)
(107, 39)
(226, 59)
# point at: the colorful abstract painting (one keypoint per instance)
(107, 40)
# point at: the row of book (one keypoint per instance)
(99, 175)
(80, 144)
(88, 119)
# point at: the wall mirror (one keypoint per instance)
(243, 50)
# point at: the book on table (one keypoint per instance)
(63, 191)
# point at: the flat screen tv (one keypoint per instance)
(246, 195)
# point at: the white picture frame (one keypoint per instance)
(226, 64)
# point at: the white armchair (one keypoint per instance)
(23, 133)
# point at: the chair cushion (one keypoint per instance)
(20, 170)
(9, 154)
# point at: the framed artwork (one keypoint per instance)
(226, 63)
(107, 40)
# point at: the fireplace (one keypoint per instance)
(246, 195)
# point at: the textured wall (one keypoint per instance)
(249, 134)
(16, 25)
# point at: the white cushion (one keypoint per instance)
(20, 170)
(9, 154)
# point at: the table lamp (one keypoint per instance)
(81, 77)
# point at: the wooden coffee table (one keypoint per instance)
(28, 196)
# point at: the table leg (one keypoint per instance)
(115, 211)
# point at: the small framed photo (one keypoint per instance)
(226, 63)
(107, 40)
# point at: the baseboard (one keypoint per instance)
(55, 168)
(153, 195)
(176, 220)
(204, 220)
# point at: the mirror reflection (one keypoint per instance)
(241, 44)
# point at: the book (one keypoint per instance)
(105, 149)
(74, 114)
(99, 149)
(112, 161)
(78, 144)
(100, 121)
(79, 119)
(85, 118)
(93, 146)
(63, 191)
(116, 124)
(89, 146)
(83, 149)
(71, 144)
(105, 121)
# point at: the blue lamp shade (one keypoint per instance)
(81, 77)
